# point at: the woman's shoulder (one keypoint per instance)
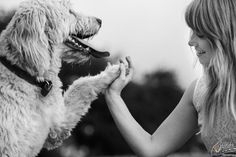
(193, 92)
(193, 84)
(190, 90)
(187, 98)
(199, 89)
(189, 94)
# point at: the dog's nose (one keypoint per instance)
(99, 21)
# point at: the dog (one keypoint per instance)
(34, 113)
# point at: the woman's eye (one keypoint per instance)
(200, 35)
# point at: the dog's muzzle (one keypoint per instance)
(77, 44)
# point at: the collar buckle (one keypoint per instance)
(46, 86)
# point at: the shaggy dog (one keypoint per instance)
(33, 111)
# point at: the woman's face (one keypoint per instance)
(204, 50)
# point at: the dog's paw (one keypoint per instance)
(111, 73)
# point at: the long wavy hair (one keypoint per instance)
(216, 20)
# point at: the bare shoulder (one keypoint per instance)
(188, 94)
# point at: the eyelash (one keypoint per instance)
(199, 35)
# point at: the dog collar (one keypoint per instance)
(45, 85)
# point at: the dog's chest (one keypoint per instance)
(19, 96)
(24, 111)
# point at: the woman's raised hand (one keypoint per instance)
(126, 75)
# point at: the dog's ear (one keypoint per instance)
(27, 36)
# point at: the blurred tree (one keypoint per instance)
(157, 97)
(5, 17)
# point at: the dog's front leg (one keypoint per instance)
(77, 101)
(83, 91)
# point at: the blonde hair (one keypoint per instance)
(216, 20)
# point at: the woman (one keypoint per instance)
(208, 104)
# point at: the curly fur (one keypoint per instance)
(33, 41)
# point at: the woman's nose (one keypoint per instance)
(192, 41)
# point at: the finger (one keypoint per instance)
(126, 66)
(124, 61)
(121, 63)
(121, 60)
(122, 71)
(130, 67)
(129, 61)
(130, 73)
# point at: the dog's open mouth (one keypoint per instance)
(77, 43)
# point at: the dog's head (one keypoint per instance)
(43, 31)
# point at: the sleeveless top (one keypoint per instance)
(221, 140)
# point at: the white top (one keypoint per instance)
(221, 140)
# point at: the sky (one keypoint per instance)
(152, 32)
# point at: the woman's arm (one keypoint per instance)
(180, 125)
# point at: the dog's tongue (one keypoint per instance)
(94, 52)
